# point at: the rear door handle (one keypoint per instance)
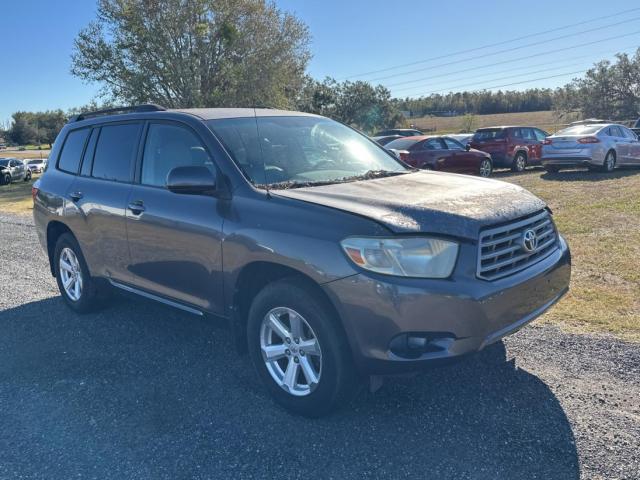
(136, 207)
(75, 196)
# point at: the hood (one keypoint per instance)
(429, 202)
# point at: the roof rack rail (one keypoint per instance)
(146, 107)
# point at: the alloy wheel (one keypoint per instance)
(609, 162)
(70, 274)
(485, 168)
(520, 162)
(291, 351)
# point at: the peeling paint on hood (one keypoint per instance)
(426, 202)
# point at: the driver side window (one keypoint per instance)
(168, 146)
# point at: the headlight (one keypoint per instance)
(406, 257)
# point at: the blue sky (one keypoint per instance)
(355, 37)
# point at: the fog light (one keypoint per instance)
(414, 345)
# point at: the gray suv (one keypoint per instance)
(12, 170)
(332, 261)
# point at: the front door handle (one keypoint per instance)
(136, 207)
(75, 196)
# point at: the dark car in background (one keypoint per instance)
(403, 132)
(430, 152)
(511, 147)
(330, 259)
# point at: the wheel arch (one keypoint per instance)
(252, 279)
(55, 229)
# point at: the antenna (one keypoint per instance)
(264, 167)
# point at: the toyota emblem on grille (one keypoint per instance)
(530, 240)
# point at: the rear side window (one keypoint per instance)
(72, 151)
(489, 134)
(404, 143)
(116, 151)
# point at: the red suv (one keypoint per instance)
(511, 147)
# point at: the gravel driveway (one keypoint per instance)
(144, 391)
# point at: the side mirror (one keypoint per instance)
(191, 181)
(467, 147)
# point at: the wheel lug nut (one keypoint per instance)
(288, 340)
(295, 359)
(302, 353)
(287, 352)
(297, 340)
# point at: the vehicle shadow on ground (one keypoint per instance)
(144, 391)
(586, 175)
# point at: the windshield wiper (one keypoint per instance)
(369, 175)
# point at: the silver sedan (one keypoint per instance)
(602, 146)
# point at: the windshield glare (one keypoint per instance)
(301, 150)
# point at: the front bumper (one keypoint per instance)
(462, 315)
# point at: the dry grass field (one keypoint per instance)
(546, 120)
(24, 154)
(599, 214)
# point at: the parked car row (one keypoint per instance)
(592, 143)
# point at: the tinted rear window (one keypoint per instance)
(402, 143)
(72, 150)
(116, 151)
(579, 130)
(489, 134)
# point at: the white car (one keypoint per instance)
(602, 146)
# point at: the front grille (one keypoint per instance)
(501, 250)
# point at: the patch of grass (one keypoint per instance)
(16, 198)
(24, 154)
(599, 215)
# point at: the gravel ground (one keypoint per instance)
(143, 391)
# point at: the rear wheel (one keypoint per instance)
(79, 290)
(609, 163)
(6, 179)
(298, 350)
(519, 162)
(486, 168)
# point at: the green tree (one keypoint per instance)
(358, 104)
(194, 53)
(23, 129)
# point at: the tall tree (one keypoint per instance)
(194, 53)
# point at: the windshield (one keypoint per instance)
(302, 151)
(402, 143)
(489, 134)
(579, 130)
(35, 162)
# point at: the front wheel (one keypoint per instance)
(298, 350)
(27, 176)
(519, 162)
(6, 179)
(486, 168)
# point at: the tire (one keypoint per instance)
(331, 363)
(6, 179)
(519, 162)
(486, 168)
(27, 176)
(89, 296)
(609, 163)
